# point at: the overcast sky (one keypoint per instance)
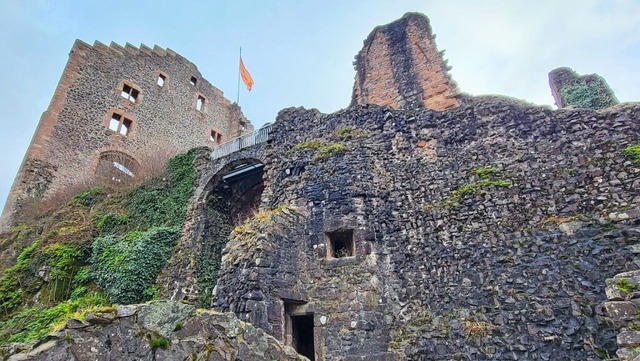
(300, 53)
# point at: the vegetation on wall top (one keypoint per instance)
(588, 95)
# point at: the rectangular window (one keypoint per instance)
(200, 103)
(126, 124)
(161, 79)
(129, 93)
(120, 124)
(340, 244)
(215, 137)
(193, 80)
(114, 122)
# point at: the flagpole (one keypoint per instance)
(240, 59)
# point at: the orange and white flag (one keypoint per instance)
(246, 77)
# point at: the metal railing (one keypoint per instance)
(259, 136)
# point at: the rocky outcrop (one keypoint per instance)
(162, 330)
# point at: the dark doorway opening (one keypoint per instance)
(302, 335)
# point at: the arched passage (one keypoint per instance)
(230, 196)
(238, 185)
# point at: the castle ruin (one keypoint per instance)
(410, 226)
(115, 111)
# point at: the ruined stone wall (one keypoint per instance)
(401, 67)
(74, 131)
(482, 232)
(584, 91)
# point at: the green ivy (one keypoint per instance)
(88, 197)
(587, 95)
(125, 266)
(138, 229)
(110, 222)
(164, 201)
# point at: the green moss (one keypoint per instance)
(329, 150)
(344, 133)
(11, 292)
(63, 261)
(159, 342)
(471, 189)
(33, 323)
(485, 172)
(178, 327)
(625, 285)
(321, 150)
(633, 152)
(311, 144)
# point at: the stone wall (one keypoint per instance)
(74, 131)
(584, 91)
(482, 232)
(400, 66)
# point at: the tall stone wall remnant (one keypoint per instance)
(116, 110)
(484, 232)
(401, 67)
(584, 91)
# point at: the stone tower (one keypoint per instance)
(584, 91)
(115, 108)
(400, 66)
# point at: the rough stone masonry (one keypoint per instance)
(482, 232)
(422, 225)
(132, 106)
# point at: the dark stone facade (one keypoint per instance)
(482, 232)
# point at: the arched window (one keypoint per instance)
(116, 168)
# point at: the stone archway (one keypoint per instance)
(115, 168)
(228, 190)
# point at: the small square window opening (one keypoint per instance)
(129, 93)
(200, 103)
(340, 244)
(193, 80)
(161, 79)
(215, 137)
(120, 124)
